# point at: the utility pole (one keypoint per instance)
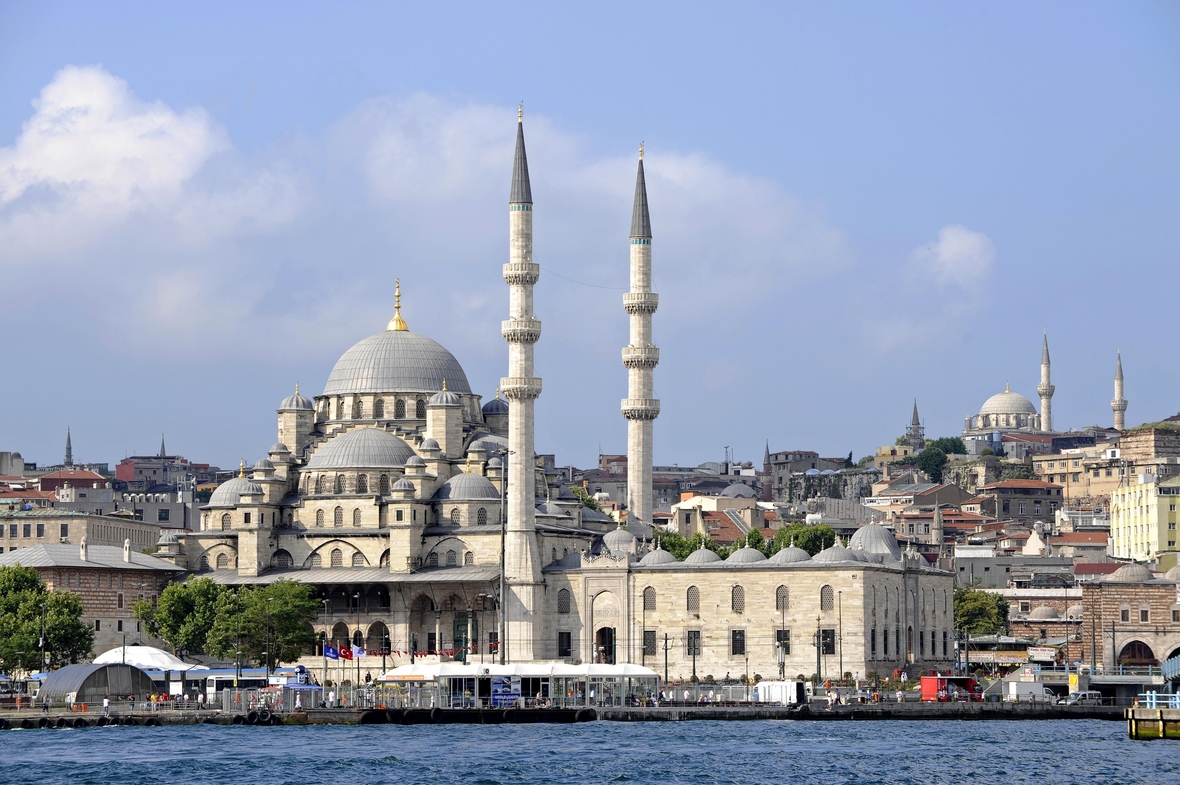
(501, 605)
(819, 666)
(840, 625)
(355, 656)
(269, 600)
(665, 658)
(326, 602)
(43, 608)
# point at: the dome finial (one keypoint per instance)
(641, 151)
(1007, 387)
(444, 389)
(242, 468)
(397, 322)
(296, 388)
(497, 393)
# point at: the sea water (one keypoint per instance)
(811, 752)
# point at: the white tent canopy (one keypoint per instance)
(432, 671)
(147, 658)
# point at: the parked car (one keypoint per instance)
(1086, 698)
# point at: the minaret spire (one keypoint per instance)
(522, 568)
(1119, 404)
(1045, 388)
(163, 452)
(916, 434)
(69, 449)
(640, 358)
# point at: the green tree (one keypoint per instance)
(932, 461)
(275, 618)
(848, 464)
(585, 498)
(980, 612)
(902, 440)
(951, 445)
(755, 540)
(1018, 471)
(811, 538)
(67, 638)
(184, 614)
(681, 547)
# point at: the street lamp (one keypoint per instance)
(43, 661)
(269, 600)
(357, 598)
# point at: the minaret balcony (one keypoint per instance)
(520, 388)
(640, 357)
(641, 408)
(1046, 390)
(521, 330)
(640, 302)
(521, 273)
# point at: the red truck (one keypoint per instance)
(950, 688)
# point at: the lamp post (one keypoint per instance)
(43, 607)
(357, 598)
(269, 600)
(324, 649)
(840, 628)
(502, 643)
(483, 604)
(819, 665)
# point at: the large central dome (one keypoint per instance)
(1008, 402)
(396, 361)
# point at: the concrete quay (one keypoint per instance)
(1143, 723)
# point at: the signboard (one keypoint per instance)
(505, 691)
(998, 657)
(407, 677)
(1073, 682)
(1042, 653)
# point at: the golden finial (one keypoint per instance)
(520, 112)
(397, 322)
(242, 468)
(641, 151)
(1007, 387)
(497, 393)
(444, 385)
(296, 388)
(469, 463)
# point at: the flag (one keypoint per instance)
(330, 652)
(346, 652)
(358, 651)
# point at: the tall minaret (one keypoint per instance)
(1045, 389)
(1119, 404)
(522, 569)
(70, 447)
(640, 358)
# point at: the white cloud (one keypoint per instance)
(959, 258)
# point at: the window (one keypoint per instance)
(65, 530)
(1025, 606)
(400, 515)
(452, 559)
(827, 598)
(1175, 615)
(420, 410)
(97, 625)
(649, 599)
(693, 642)
(379, 408)
(27, 530)
(283, 559)
(399, 410)
(246, 517)
(885, 643)
(782, 599)
(1144, 615)
(337, 557)
(356, 516)
(358, 559)
(319, 484)
(222, 561)
(339, 483)
(338, 516)
(649, 643)
(431, 642)
(319, 517)
(362, 483)
(737, 643)
(827, 641)
(432, 560)
(455, 515)
(737, 599)
(693, 600)
(119, 626)
(225, 522)
(315, 561)
(873, 643)
(783, 639)
(383, 485)
(1124, 615)
(40, 530)
(12, 530)
(481, 517)
(565, 645)
(358, 409)
(563, 601)
(468, 559)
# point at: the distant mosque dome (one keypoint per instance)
(702, 556)
(746, 555)
(1007, 402)
(467, 487)
(495, 406)
(738, 491)
(791, 555)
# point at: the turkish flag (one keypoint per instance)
(345, 653)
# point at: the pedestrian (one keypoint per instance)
(298, 702)
(200, 700)
(106, 705)
(45, 705)
(900, 697)
(686, 695)
(331, 699)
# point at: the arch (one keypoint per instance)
(339, 633)
(455, 515)
(481, 517)
(692, 600)
(315, 561)
(827, 598)
(339, 483)
(319, 517)
(225, 522)
(737, 599)
(338, 516)
(383, 485)
(319, 484)
(204, 562)
(384, 560)
(356, 516)
(649, 599)
(432, 560)
(362, 483)
(468, 559)
(358, 409)
(358, 559)
(337, 557)
(782, 598)
(358, 639)
(420, 409)
(379, 409)
(399, 409)
(1137, 653)
(1175, 653)
(282, 558)
(563, 601)
(452, 559)
(377, 638)
(222, 561)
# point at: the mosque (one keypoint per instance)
(420, 516)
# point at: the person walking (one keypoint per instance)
(45, 705)
(106, 705)
(298, 702)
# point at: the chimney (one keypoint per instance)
(83, 554)
(126, 550)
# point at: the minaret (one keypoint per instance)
(1045, 388)
(640, 358)
(915, 434)
(522, 569)
(163, 452)
(70, 447)
(1119, 404)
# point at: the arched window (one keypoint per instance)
(337, 557)
(362, 483)
(379, 409)
(693, 600)
(384, 558)
(358, 639)
(827, 598)
(455, 515)
(358, 559)
(356, 516)
(222, 561)
(452, 559)
(315, 561)
(339, 408)
(319, 517)
(432, 560)
(649, 598)
(481, 516)
(420, 409)
(319, 484)
(383, 485)
(782, 598)
(339, 483)
(358, 409)
(282, 559)
(399, 409)
(563, 601)
(468, 559)
(737, 599)
(225, 522)
(338, 516)
(204, 562)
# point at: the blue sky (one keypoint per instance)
(854, 205)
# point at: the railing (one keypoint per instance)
(1158, 700)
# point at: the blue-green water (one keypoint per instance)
(1086, 751)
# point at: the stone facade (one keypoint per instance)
(25, 528)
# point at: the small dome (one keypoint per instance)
(363, 448)
(278, 447)
(746, 555)
(657, 557)
(549, 508)
(791, 555)
(812, 472)
(1044, 613)
(444, 398)
(495, 406)
(875, 539)
(1173, 574)
(264, 465)
(836, 554)
(1007, 402)
(228, 492)
(415, 460)
(619, 541)
(467, 487)
(495, 463)
(296, 403)
(167, 537)
(428, 444)
(1131, 573)
(1077, 611)
(702, 556)
(403, 485)
(590, 514)
(738, 491)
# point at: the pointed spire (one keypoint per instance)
(163, 452)
(1045, 349)
(69, 449)
(640, 220)
(522, 192)
(397, 323)
(914, 421)
(1118, 366)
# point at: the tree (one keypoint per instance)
(811, 538)
(902, 441)
(681, 547)
(980, 612)
(951, 445)
(276, 618)
(931, 461)
(585, 498)
(1018, 471)
(184, 614)
(67, 638)
(755, 540)
(848, 464)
